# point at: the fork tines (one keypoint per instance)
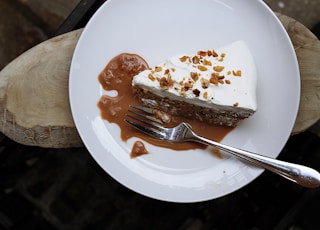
(148, 113)
(144, 121)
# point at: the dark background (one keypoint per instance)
(65, 188)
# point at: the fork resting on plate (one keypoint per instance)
(145, 121)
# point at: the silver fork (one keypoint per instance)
(145, 121)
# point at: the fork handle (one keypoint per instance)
(299, 174)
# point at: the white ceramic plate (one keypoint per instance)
(159, 29)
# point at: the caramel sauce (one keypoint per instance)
(117, 75)
(138, 149)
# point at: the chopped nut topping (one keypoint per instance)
(183, 91)
(236, 104)
(151, 77)
(158, 68)
(236, 73)
(228, 82)
(205, 83)
(195, 60)
(220, 79)
(202, 68)
(206, 62)
(167, 71)
(218, 68)
(214, 54)
(205, 95)
(214, 79)
(202, 53)
(173, 69)
(166, 83)
(229, 72)
(184, 58)
(223, 55)
(189, 84)
(194, 76)
(196, 92)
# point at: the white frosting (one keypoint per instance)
(233, 91)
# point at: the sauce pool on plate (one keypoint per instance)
(117, 75)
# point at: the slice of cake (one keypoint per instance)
(214, 86)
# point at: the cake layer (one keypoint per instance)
(191, 111)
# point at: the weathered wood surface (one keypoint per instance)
(34, 99)
(307, 48)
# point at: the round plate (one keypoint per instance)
(160, 29)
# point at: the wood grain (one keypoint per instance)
(34, 99)
(307, 48)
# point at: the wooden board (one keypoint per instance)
(34, 99)
(307, 48)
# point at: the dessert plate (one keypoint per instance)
(156, 30)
